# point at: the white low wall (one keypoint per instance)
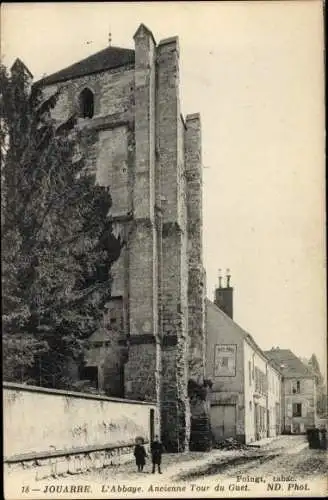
(38, 420)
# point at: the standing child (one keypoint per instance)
(156, 454)
(140, 454)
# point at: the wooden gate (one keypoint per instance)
(223, 421)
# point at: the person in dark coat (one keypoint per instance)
(156, 454)
(140, 455)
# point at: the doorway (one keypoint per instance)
(257, 422)
(151, 425)
(223, 420)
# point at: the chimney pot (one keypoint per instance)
(220, 279)
(223, 297)
(228, 276)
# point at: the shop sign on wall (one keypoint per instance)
(225, 360)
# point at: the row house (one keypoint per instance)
(298, 391)
(262, 393)
(246, 391)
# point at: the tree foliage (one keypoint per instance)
(57, 240)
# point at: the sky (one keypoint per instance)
(255, 73)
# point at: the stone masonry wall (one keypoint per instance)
(200, 422)
(111, 154)
(196, 285)
(175, 403)
(142, 371)
(113, 93)
(113, 169)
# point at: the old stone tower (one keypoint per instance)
(150, 156)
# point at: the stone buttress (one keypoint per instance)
(200, 434)
(175, 410)
(142, 371)
(196, 282)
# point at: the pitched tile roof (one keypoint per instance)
(109, 58)
(288, 363)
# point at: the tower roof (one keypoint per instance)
(19, 65)
(108, 58)
(143, 28)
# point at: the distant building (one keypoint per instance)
(298, 391)
(246, 391)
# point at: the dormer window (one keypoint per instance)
(86, 103)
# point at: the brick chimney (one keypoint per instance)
(224, 295)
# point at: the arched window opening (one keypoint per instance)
(86, 103)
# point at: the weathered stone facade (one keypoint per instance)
(151, 159)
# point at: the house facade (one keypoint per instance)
(298, 390)
(246, 391)
(262, 386)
